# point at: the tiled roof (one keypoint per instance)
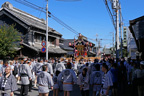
(65, 44)
(27, 18)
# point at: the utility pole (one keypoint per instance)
(96, 45)
(47, 31)
(117, 30)
(99, 46)
(121, 26)
(113, 44)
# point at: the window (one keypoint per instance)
(35, 38)
(40, 38)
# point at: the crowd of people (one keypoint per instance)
(105, 77)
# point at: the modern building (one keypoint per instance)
(131, 45)
(33, 32)
(125, 37)
(107, 52)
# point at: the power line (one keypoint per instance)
(62, 23)
(110, 14)
(36, 7)
(31, 5)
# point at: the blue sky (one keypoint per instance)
(88, 17)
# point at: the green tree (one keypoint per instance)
(9, 40)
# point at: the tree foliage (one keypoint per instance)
(9, 40)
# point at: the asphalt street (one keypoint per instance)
(34, 92)
(75, 92)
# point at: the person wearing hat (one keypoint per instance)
(139, 76)
(25, 75)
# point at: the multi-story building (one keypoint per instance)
(33, 32)
(131, 45)
(125, 37)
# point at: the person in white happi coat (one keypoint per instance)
(16, 69)
(44, 81)
(8, 83)
(49, 65)
(75, 66)
(37, 69)
(139, 77)
(107, 82)
(56, 83)
(89, 61)
(60, 66)
(30, 85)
(68, 77)
(81, 66)
(2, 70)
(83, 82)
(96, 80)
(25, 75)
(1, 64)
(92, 66)
(12, 66)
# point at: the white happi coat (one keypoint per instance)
(60, 67)
(37, 68)
(75, 66)
(56, 83)
(2, 70)
(83, 81)
(106, 82)
(96, 80)
(45, 81)
(81, 67)
(8, 84)
(92, 67)
(67, 76)
(25, 74)
(50, 69)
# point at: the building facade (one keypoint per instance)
(125, 37)
(131, 46)
(137, 29)
(33, 32)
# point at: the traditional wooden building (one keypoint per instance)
(33, 32)
(137, 29)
